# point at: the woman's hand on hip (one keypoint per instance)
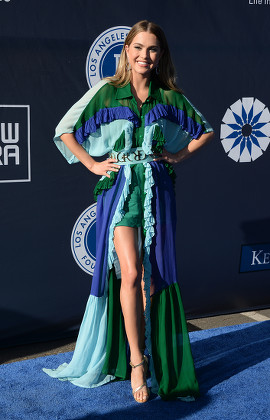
(102, 168)
(187, 151)
(168, 157)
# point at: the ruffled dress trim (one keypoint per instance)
(158, 145)
(104, 116)
(104, 182)
(177, 116)
(149, 232)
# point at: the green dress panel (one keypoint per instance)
(134, 204)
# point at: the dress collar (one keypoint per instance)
(125, 91)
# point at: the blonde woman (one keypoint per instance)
(145, 124)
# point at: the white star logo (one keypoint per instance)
(246, 130)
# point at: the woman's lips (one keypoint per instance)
(143, 63)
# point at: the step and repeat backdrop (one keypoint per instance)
(52, 52)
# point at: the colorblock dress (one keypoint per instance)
(107, 120)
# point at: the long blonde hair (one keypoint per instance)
(166, 75)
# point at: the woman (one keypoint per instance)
(144, 122)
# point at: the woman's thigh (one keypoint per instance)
(126, 247)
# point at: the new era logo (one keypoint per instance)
(15, 143)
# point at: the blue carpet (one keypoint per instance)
(232, 363)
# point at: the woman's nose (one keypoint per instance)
(144, 53)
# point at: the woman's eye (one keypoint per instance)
(137, 47)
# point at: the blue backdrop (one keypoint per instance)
(221, 52)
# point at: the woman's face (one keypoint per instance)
(143, 53)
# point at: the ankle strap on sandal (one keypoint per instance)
(139, 364)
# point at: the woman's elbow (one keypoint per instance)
(210, 136)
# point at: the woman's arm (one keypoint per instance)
(98, 168)
(185, 153)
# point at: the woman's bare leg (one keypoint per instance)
(126, 246)
(142, 338)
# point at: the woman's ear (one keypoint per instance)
(126, 49)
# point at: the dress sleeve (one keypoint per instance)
(93, 141)
(201, 126)
(182, 123)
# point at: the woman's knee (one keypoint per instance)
(131, 277)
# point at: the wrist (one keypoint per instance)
(90, 164)
(183, 154)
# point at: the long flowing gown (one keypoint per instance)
(107, 120)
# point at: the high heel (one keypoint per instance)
(144, 362)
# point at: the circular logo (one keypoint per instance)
(246, 130)
(104, 54)
(83, 239)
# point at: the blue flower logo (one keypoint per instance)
(246, 130)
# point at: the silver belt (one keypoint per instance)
(135, 155)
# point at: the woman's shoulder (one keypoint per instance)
(177, 99)
(99, 95)
(173, 97)
(103, 87)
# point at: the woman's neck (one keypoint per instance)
(140, 83)
(140, 88)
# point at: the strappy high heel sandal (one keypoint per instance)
(143, 362)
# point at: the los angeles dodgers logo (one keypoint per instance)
(83, 240)
(104, 54)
